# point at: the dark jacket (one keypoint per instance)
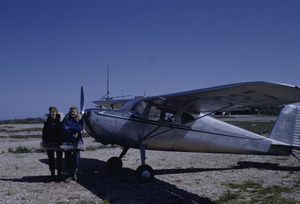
(72, 138)
(52, 133)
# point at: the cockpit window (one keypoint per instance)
(139, 108)
(154, 114)
(159, 113)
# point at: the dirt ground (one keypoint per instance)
(179, 177)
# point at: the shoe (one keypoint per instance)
(69, 179)
(52, 177)
(74, 176)
(59, 177)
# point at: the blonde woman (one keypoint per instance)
(72, 141)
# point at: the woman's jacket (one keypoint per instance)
(52, 132)
(72, 138)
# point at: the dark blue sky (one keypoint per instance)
(49, 49)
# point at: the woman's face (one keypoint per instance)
(53, 114)
(73, 113)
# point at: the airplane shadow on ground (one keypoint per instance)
(121, 187)
(241, 165)
(266, 166)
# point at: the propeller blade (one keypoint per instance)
(82, 101)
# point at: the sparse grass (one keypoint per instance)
(297, 183)
(7, 127)
(22, 136)
(22, 150)
(92, 148)
(261, 128)
(106, 201)
(178, 181)
(85, 202)
(19, 150)
(9, 194)
(282, 158)
(12, 133)
(85, 135)
(25, 136)
(255, 193)
(21, 130)
(247, 186)
(228, 196)
(23, 121)
(222, 116)
(197, 181)
(39, 150)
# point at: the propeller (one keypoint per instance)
(81, 101)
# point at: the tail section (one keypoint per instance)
(287, 127)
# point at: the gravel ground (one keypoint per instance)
(179, 177)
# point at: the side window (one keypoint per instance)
(154, 114)
(140, 108)
(185, 118)
(160, 115)
(168, 116)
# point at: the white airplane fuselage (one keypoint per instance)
(206, 134)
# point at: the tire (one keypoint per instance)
(144, 174)
(114, 164)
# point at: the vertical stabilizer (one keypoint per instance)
(287, 126)
(296, 141)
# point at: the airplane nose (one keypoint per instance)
(87, 120)
(88, 114)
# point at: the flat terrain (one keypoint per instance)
(180, 177)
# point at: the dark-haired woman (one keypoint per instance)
(51, 140)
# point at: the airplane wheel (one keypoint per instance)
(114, 164)
(144, 174)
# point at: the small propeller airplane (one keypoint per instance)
(181, 122)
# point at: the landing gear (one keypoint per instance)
(144, 174)
(115, 163)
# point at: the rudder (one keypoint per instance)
(287, 126)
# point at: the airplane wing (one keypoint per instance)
(229, 97)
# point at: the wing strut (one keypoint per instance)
(214, 112)
(148, 135)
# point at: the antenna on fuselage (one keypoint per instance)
(107, 91)
(106, 96)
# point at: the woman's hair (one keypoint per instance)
(74, 108)
(52, 108)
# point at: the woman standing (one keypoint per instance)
(72, 141)
(51, 140)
